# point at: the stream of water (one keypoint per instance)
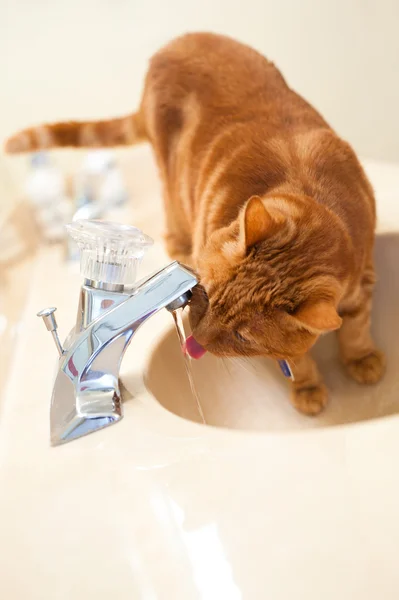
(178, 319)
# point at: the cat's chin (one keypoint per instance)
(196, 351)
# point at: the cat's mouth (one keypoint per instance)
(194, 348)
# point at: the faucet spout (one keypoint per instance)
(86, 394)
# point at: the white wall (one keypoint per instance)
(64, 59)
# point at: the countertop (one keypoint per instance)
(157, 507)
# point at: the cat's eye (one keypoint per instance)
(291, 308)
(240, 337)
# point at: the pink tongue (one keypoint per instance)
(194, 349)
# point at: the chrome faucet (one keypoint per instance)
(86, 394)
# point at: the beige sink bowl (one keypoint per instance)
(252, 394)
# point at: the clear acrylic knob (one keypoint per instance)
(110, 252)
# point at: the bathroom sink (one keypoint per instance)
(223, 511)
(252, 394)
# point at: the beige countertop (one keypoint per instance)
(158, 507)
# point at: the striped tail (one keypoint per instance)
(123, 131)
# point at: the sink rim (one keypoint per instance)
(388, 240)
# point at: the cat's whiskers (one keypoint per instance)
(224, 361)
(245, 363)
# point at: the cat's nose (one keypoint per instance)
(199, 303)
(200, 292)
(199, 310)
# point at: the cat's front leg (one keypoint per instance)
(308, 393)
(363, 361)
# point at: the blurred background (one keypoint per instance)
(85, 59)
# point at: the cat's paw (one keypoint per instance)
(310, 400)
(368, 369)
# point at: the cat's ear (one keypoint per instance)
(258, 223)
(318, 316)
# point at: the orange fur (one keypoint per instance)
(114, 132)
(262, 197)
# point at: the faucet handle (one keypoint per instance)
(47, 314)
(110, 252)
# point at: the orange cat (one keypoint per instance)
(266, 202)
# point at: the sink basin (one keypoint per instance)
(252, 394)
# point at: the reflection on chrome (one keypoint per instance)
(86, 394)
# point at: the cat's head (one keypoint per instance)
(269, 282)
